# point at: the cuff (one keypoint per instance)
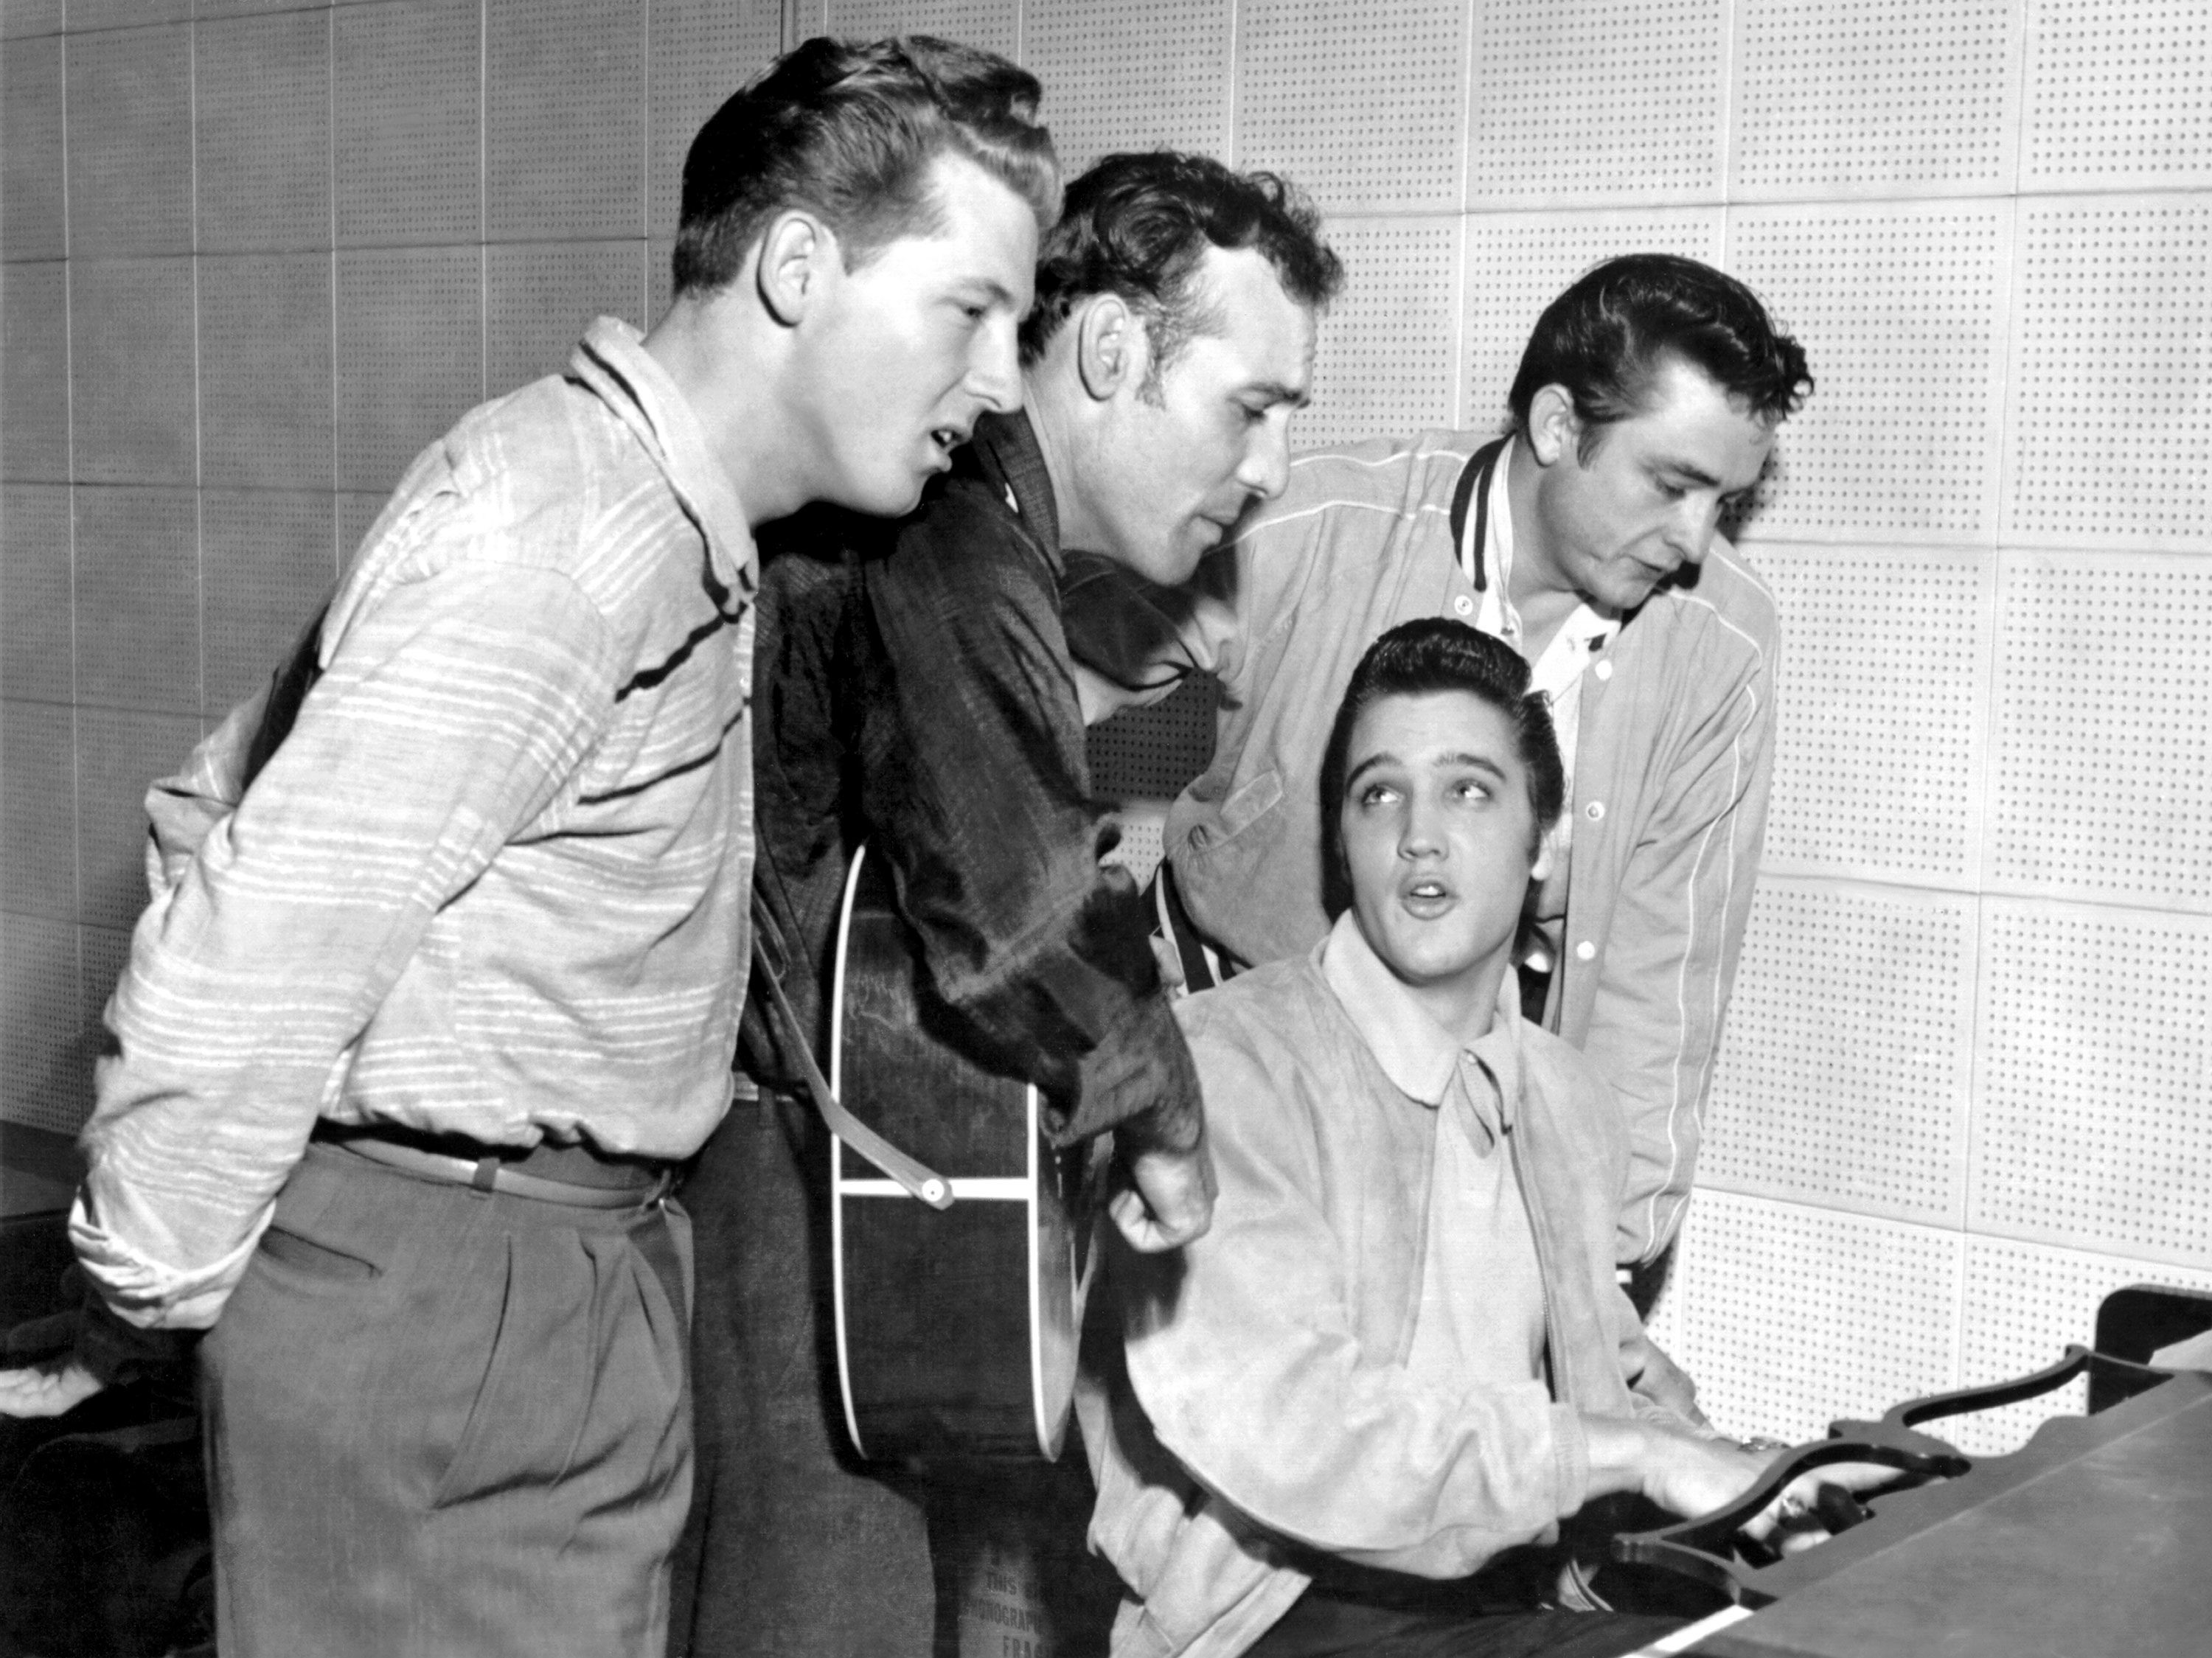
(143, 1292)
(1140, 1078)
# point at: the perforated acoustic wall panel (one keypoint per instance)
(991, 24)
(1884, 98)
(1845, 1081)
(2098, 778)
(1880, 700)
(36, 631)
(2095, 1120)
(1517, 262)
(32, 224)
(1151, 753)
(2109, 422)
(539, 298)
(44, 1075)
(2024, 1303)
(265, 375)
(1131, 74)
(267, 558)
(410, 355)
(564, 119)
(407, 115)
(130, 140)
(136, 597)
(1767, 1291)
(1139, 850)
(261, 131)
(1362, 106)
(1389, 346)
(38, 811)
(1585, 102)
(699, 51)
(120, 752)
(2119, 94)
(1901, 308)
(35, 371)
(131, 361)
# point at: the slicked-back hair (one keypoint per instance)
(1425, 657)
(1607, 337)
(851, 131)
(1138, 225)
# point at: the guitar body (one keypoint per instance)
(956, 1328)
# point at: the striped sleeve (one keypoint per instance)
(453, 716)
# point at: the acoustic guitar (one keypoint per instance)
(956, 1326)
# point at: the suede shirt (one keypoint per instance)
(1259, 1397)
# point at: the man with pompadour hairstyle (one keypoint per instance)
(444, 964)
(925, 702)
(1355, 1416)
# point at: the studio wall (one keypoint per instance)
(257, 254)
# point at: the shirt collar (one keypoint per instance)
(1005, 450)
(612, 361)
(1417, 1054)
(1580, 637)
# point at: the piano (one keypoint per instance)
(2091, 1540)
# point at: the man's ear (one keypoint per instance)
(1109, 345)
(1540, 868)
(1554, 427)
(795, 251)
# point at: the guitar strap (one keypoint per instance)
(920, 1182)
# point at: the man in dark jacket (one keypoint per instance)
(918, 693)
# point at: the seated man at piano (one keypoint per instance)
(1348, 1418)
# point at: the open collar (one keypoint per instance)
(612, 361)
(1417, 1054)
(1006, 452)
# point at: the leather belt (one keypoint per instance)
(612, 1184)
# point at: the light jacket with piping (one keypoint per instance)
(1261, 1392)
(1675, 760)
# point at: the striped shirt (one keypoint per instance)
(495, 883)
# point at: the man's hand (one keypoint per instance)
(1688, 1475)
(1168, 1200)
(53, 1389)
(1665, 1383)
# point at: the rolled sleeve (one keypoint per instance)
(450, 716)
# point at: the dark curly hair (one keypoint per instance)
(1138, 225)
(1609, 335)
(851, 131)
(1421, 657)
